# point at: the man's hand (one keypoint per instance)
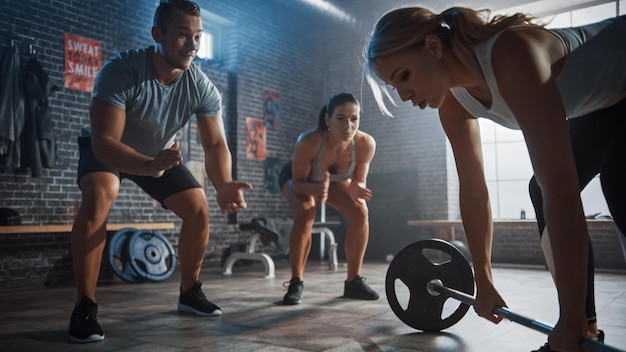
(230, 196)
(358, 192)
(165, 160)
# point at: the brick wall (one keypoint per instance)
(277, 45)
(261, 54)
(409, 175)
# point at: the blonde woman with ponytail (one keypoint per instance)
(523, 76)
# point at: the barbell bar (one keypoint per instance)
(435, 287)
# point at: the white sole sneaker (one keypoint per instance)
(187, 309)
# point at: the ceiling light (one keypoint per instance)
(331, 9)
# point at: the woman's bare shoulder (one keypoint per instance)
(309, 141)
(309, 136)
(526, 44)
(364, 138)
(364, 143)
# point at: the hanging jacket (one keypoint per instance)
(11, 109)
(37, 138)
(45, 130)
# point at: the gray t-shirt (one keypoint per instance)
(154, 112)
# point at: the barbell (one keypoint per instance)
(434, 270)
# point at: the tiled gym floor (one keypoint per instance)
(143, 317)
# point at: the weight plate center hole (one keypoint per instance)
(438, 257)
(152, 253)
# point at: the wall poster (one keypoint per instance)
(271, 109)
(271, 170)
(82, 62)
(255, 138)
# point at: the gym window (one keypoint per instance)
(212, 41)
(507, 164)
(207, 50)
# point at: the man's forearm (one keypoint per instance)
(121, 157)
(218, 165)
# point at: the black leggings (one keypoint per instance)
(599, 146)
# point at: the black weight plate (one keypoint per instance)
(118, 258)
(415, 266)
(461, 246)
(151, 255)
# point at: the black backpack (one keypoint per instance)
(9, 217)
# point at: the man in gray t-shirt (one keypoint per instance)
(140, 100)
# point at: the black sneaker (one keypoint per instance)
(84, 325)
(358, 289)
(195, 302)
(546, 347)
(294, 292)
(600, 337)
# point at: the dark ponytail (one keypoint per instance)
(321, 120)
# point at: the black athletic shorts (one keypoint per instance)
(284, 175)
(174, 180)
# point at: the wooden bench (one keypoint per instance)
(446, 229)
(609, 243)
(60, 228)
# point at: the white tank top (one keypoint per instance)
(317, 174)
(593, 74)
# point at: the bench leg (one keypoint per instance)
(622, 240)
(329, 237)
(322, 245)
(268, 263)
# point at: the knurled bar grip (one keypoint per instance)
(436, 286)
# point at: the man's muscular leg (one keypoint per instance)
(192, 207)
(99, 191)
